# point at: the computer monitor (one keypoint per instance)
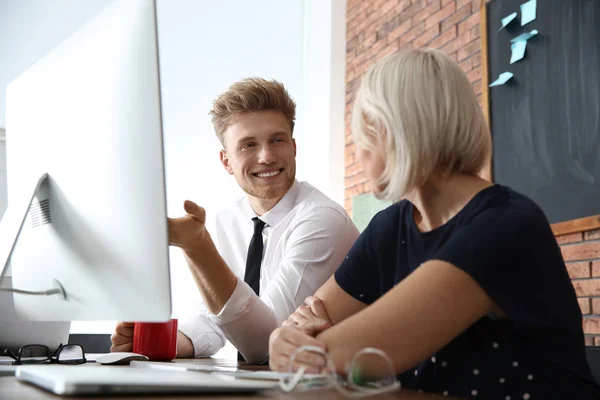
(85, 174)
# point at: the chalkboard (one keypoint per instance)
(545, 121)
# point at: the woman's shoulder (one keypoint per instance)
(505, 205)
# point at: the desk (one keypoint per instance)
(10, 388)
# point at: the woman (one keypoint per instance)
(461, 282)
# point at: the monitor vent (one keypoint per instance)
(40, 213)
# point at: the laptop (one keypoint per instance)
(95, 379)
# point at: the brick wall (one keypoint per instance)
(581, 252)
(376, 28)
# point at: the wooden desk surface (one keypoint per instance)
(11, 388)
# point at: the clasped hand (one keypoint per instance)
(298, 330)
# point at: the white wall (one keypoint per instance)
(3, 194)
(205, 46)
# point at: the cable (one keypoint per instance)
(35, 293)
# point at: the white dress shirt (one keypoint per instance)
(306, 237)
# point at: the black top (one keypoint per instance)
(502, 240)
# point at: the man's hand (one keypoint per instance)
(189, 232)
(311, 319)
(284, 341)
(122, 338)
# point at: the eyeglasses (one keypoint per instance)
(370, 372)
(71, 354)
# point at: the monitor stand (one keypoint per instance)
(10, 228)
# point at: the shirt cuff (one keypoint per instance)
(237, 305)
(206, 338)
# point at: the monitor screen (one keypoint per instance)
(87, 117)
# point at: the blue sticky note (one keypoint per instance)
(528, 12)
(507, 20)
(502, 79)
(518, 51)
(524, 36)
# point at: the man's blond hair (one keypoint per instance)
(250, 95)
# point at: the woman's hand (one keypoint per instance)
(284, 341)
(311, 318)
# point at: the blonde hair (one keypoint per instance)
(249, 95)
(419, 110)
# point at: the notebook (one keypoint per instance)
(95, 379)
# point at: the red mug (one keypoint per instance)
(156, 340)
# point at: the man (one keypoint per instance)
(297, 235)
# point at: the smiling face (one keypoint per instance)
(261, 153)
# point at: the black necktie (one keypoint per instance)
(254, 259)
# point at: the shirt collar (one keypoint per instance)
(279, 210)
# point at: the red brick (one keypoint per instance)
(427, 36)
(596, 269)
(579, 269)
(405, 46)
(474, 75)
(465, 65)
(451, 47)
(439, 16)
(352, 191)
(476, 59)
(353, 169)
(350, 149)
(581, 251)
(349, 138)
(460, 3)
(587, 287)
(434, 6)
(364, 6)
(349, 159)
(415, 31)
(353, 3)
(442, 39)
(590, 235)
(477, 87)
(469, 49)
(596, 306)
(355, 180)
(589, 340)
(400, 30)
(469, 23)
(388, 5)
(591, 325)
(376, 48)
(460, 15)
(368, 41)
(402, 5)
(570, 238)
(584, 305)
(389, 49)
